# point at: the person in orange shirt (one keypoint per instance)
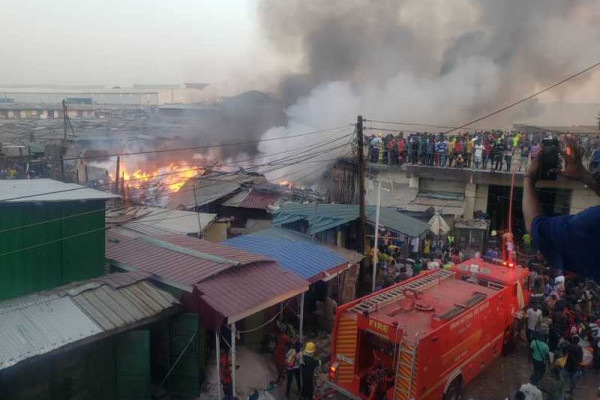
(225, 374)
(282, 343)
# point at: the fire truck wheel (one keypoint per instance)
(453, 390)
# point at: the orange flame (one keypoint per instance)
(286, 183)
(172, 177)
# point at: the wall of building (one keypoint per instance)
(118, 97)
(217, 231)
(440, 185)
(582, 199)
(207, 95)
(84, 373)
(470, 197)
(481, 197)
(46, 249)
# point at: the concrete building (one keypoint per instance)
(138, 95)
(461, 193)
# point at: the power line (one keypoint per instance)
(195, 147)
(412, 124)
(217, 182)
(99, 229)
(211, 146)
(156, 176)
(526, 98)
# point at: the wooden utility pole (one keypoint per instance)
(361, 184)
(118, 175)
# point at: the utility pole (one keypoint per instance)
(375, 245)
(118, 175)
(361, 184)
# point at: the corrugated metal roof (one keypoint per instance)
(252, 199)
(115, 308)
(310, 261)
(27, 190)
(328, 216)
(162, 220)
(182, 259)
(390, 218)
(236, 199)
(242, 291)
(37, 324)
(210, 188)
(276, 232)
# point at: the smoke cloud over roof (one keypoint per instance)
(429, 61)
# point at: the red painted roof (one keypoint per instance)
(168, 259)
(244, 288)
(258, 200)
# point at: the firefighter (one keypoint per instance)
(379, 381)
(308, 365)
(225, 374)
(282, 343)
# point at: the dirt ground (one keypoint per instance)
(506, 374)
(499, 380)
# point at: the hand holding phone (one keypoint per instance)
(549, 160)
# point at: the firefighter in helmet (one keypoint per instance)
(308, 364)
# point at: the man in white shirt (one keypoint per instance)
(414, 248)
(478, 154)
(531, 391)
(533, 316)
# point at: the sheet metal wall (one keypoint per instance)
(33, 267)
(87, 373)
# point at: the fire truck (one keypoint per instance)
(426, 337)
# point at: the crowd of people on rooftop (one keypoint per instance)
(494, 150)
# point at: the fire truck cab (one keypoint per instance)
(428, 336)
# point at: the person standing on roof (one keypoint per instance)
(401, 149)
(441, 152)
(468, 151)
(478, 155)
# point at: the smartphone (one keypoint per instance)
(549, 161)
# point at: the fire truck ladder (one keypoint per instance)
(405, 389)
(397, 293)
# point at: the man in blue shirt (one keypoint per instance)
(441, 151)
(569, 242)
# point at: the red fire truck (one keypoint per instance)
(428, 336)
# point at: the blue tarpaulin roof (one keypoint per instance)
(309, 260)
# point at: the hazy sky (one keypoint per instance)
(133, 41)
(121, 42)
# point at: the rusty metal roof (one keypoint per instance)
(252, 199)
(114, 308)
(179, 260)
(37, 324)
(243, 291)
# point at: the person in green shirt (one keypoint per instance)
(539, 352)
